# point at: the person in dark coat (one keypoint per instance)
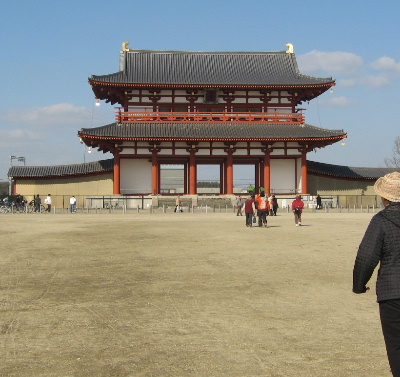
(381, 244)
(275, 206)
(319, 202)
(38, 203)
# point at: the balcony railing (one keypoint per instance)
(179, 116)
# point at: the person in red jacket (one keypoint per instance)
(250, 210)
(297, 208)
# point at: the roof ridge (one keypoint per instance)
(144, 51)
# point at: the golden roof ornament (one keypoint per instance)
(124, 48)
(290, 48)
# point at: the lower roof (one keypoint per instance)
(106, 166)
(347, 172)
(211, 131)
(58, 171)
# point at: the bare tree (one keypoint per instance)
(394, 161)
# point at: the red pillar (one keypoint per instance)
(192, 174)
(304, 174)
(117, 174)
(229, 173)
(154, 173)
(267, 173)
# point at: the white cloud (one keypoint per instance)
(54, 115)
(19, 134)
(350, 68)
(376, 81)
(347, 83)
(337, 102)
(387, 64)
(344, 63)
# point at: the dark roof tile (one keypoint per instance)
(210, 131)
(62, 170)
(347, 172)
(210, 68)
(104, 166)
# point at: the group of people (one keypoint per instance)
(262, 206)
(37, 203)
(272, 204)
(17, 201)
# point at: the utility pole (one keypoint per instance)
(10, 180)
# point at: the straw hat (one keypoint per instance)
(389, 186)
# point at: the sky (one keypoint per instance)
(49, 49)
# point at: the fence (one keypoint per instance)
(125, 204)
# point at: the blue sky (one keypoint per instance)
(50, 48)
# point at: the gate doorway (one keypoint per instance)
(209, 179)
(172, 178)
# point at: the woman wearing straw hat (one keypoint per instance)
(381, 243)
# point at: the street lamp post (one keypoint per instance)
(19, 159)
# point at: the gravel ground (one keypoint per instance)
(182, 294)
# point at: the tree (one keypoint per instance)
(394, 161)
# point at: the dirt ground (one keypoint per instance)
(182, 294)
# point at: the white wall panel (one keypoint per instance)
(181, 152)
(135, 176)
(144, 151)
(283, 179)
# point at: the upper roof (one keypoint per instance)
(219, 69)
(211, 131)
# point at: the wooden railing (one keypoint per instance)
(130, 117)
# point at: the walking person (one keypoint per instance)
(72, 204)
(48, 202)
(178, 207)
(239, 206)
(250, 210)
(18, 202)
(38, 203)
(319, 202)
(263, 209)
(297, 208)
(270, 205)
(275, 206)
(380, 244)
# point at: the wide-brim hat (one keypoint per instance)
(389, 186)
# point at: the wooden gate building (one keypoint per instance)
(215, 108)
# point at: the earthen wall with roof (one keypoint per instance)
(101, 184)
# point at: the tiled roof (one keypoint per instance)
(210, 68)
(104, 166)
(95, 167)
(347, 172)
(210, 131)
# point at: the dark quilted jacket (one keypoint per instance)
(381, 243)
